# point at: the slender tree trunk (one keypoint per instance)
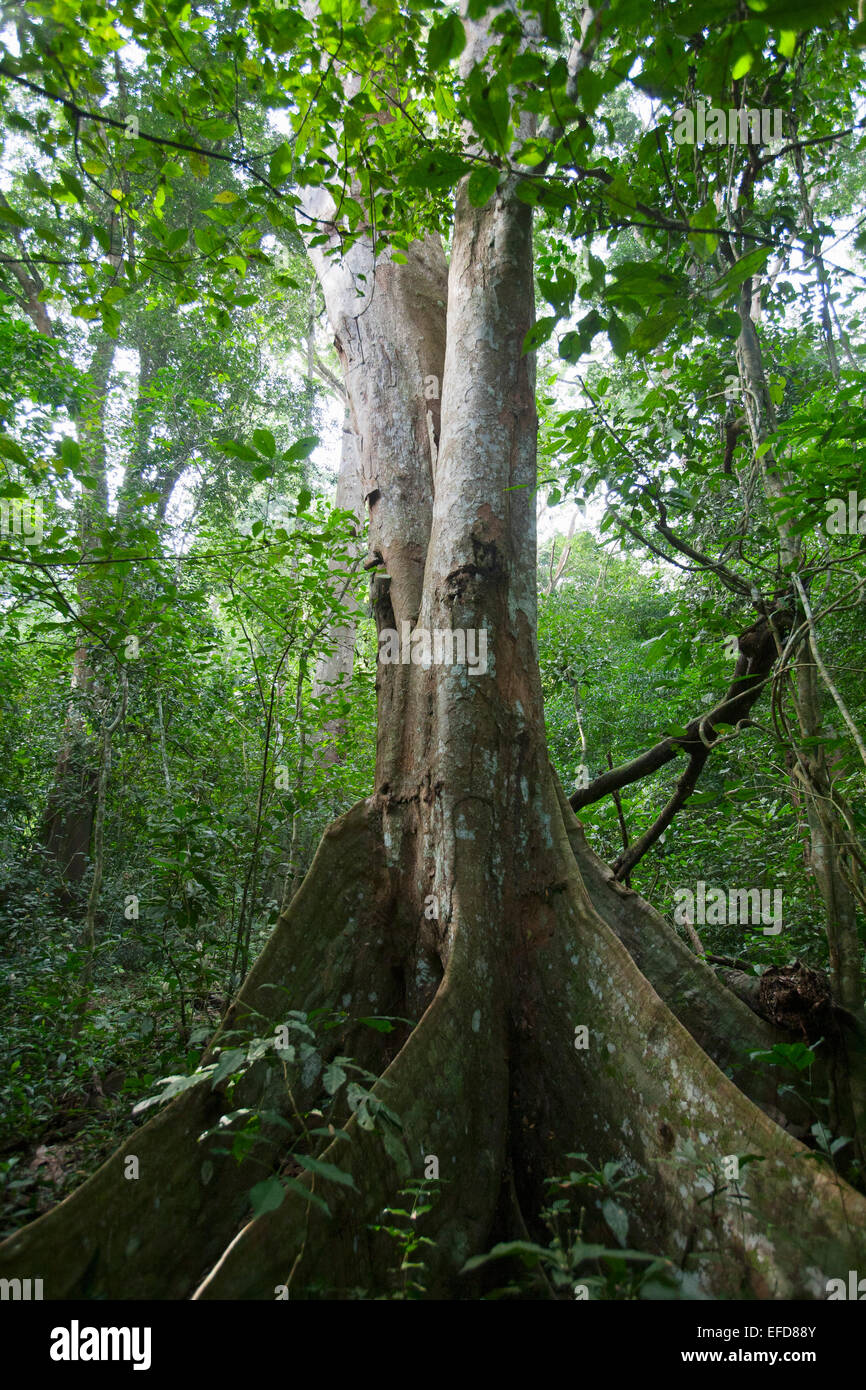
(109, 728)
(828, 832)
(67, 823)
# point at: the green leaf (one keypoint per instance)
(265, 443)
(483, 183)
(490, 110)
(292, 1185)
(36, 183)
(267, 1196)
(725, 325)
(10, 215)
(228, 1062)
(110, 320)
(437, 170)
(174, 1086)
(302, 449)
(205, 239)
(10, 450)
(329, 1171)
(74, 185)
(527, 67)
(334, 1076)
(280, 166)
(70, 452)
(795, 1055)
(539, 333)
(558, 291)
(616, 1218)
(650, 332)
(572, 346)
(618, 193)
(805, 12)
(445, 41)
(618, 335)
(787, 42)
(396, 1151)
(743, 65)
(551, 24)
(752, 263)
(526, 1249)
(706, 217)
(239, 451)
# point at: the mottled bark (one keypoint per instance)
(370, 303)
(716, 1015)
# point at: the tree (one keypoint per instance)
(552, 1011)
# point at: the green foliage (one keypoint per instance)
(283, 1066)
(570, 1267)
(404, 1228)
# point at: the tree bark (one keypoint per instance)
(67, 823)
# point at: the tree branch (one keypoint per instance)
(758, 654)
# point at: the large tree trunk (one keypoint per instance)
(461, 894)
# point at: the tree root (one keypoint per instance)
(642, 1092)
(118, 1237)
(718, 1018)
(448, 1085)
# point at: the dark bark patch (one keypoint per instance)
(459, 580)
(486, 556)
(667, 1136)
(796, 997)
